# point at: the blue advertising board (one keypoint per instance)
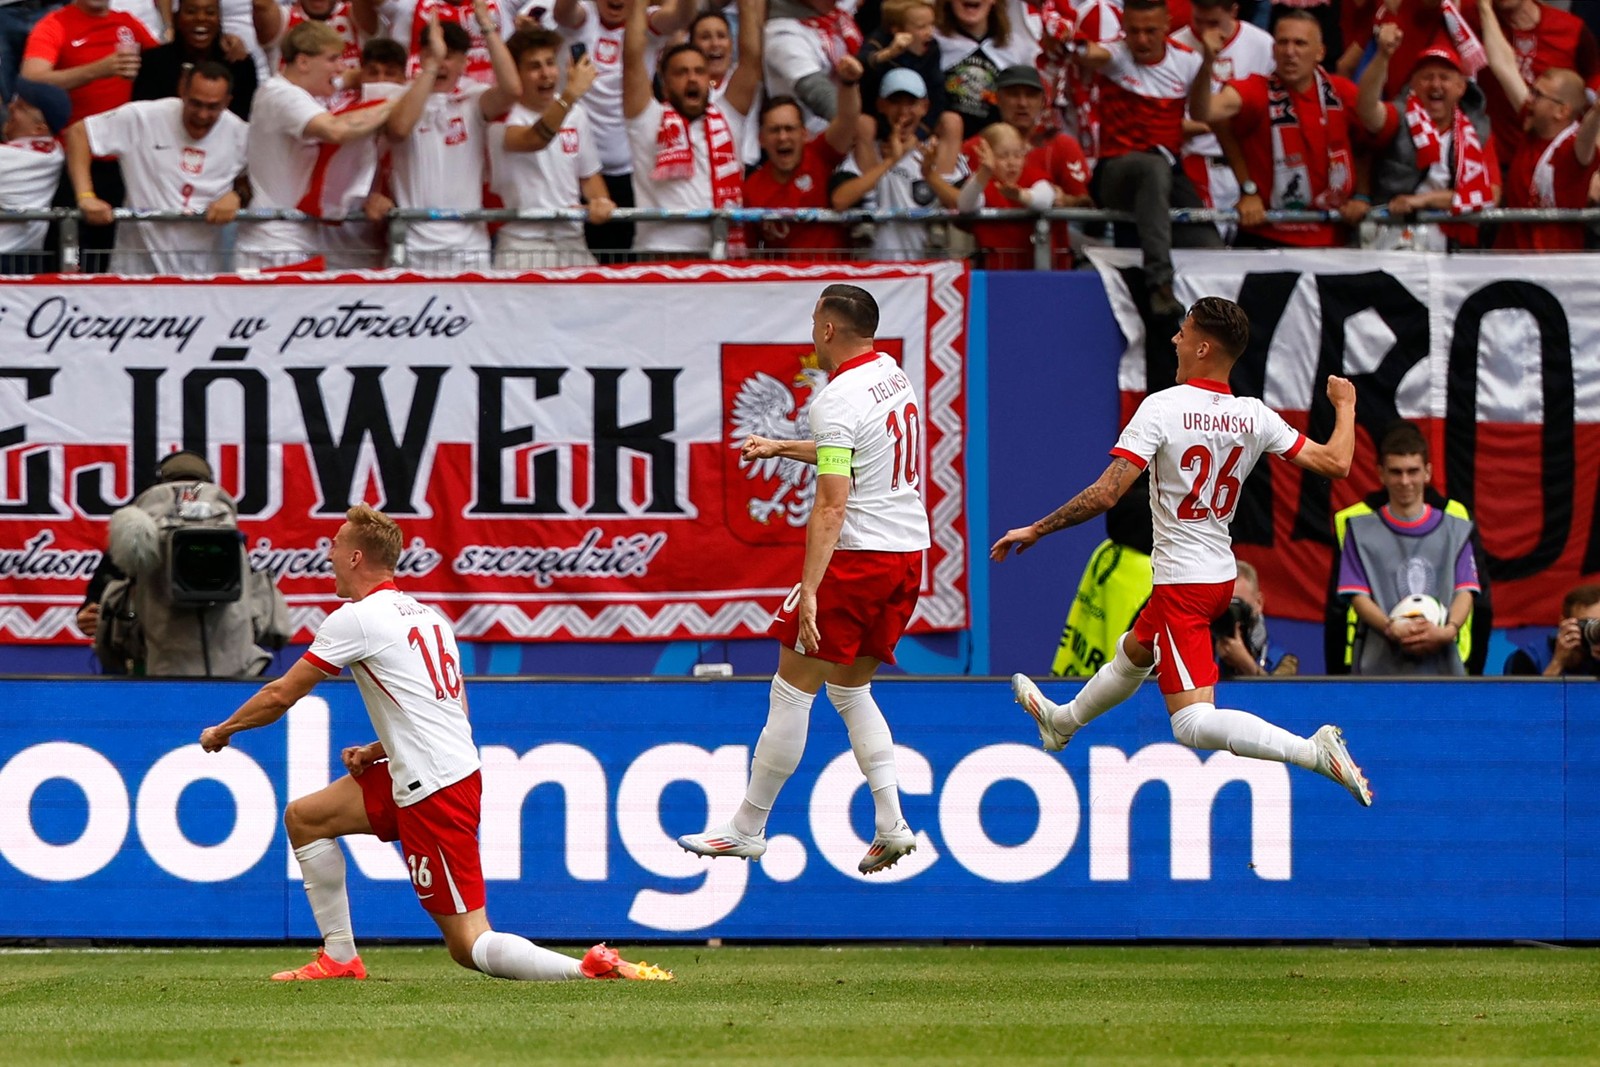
(116, 825)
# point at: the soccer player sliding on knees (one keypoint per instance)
(419, 783)
(1201, 443)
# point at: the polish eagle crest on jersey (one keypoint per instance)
(768, 407)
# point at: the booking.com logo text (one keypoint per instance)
(592, 806)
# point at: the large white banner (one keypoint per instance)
(1493, 356)
(561, 450)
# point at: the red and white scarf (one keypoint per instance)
(840, 35)
(1295, 182)
(1468, 47)
(1542, 188)
(1473, 185)
(675, 161)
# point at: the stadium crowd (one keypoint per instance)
(346, 109)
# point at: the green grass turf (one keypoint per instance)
(819, 1005)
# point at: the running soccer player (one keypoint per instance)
(863, 568)
(1200, 443)
(419, 783)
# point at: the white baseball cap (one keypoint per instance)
(903, 80)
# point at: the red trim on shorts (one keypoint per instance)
(1137, 461)
(1294, 449)
(1210, 385)
(320, 664)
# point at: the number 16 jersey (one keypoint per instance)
(1200, 443)
(404, 658)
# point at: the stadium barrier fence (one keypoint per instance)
(718, 222)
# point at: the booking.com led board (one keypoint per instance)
(114, 824)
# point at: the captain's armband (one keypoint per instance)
(833, 459)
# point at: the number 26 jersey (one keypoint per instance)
(404, 658)
(1200, 443)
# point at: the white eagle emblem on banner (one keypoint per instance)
(766, 407)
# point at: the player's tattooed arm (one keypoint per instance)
(1095, 500)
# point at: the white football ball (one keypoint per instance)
(1420, 605)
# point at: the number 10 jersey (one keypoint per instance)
(1200, 443)
(870, 407)
(404, 658)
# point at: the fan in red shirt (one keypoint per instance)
(90, 51)
(1541, 38)
(799, 173)
(1053, 156)
(1292, 130)
(1556, 159)
(1145, 82)
(1005, 179)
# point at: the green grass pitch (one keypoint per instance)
(1088, 1005)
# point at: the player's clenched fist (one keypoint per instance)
(1341, 391)
(213, 739)
(756, 447)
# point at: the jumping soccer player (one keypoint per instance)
(1200, 443)
(851, 606)
(419, 783)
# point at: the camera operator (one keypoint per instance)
(1239, 636)
(175, 595)
(1571, 650)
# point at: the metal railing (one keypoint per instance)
(720, 221)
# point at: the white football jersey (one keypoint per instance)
(603, 101)
(165, 169)
(547, 180)
(1200, 443)
(282, 163)
(870, 407)
(1247, 53)
(30, 171)
(441, 166)
(405, 661)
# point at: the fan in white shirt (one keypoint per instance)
(685, 152)
(439, 128)
(30, 170)
(184, 153)
(543, 157)
(288, 128)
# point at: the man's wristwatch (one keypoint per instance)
(1249, 188)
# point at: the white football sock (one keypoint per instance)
(509, 956)
(322, 865)
(874, 748)
(778, 752)
(1110, 686)
(1206, 726)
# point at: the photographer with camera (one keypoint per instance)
(1574, 649)
(180, 597)
(1239, 635)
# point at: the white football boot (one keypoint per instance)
(1333, 760)
(724, 840)
(1043, 712)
